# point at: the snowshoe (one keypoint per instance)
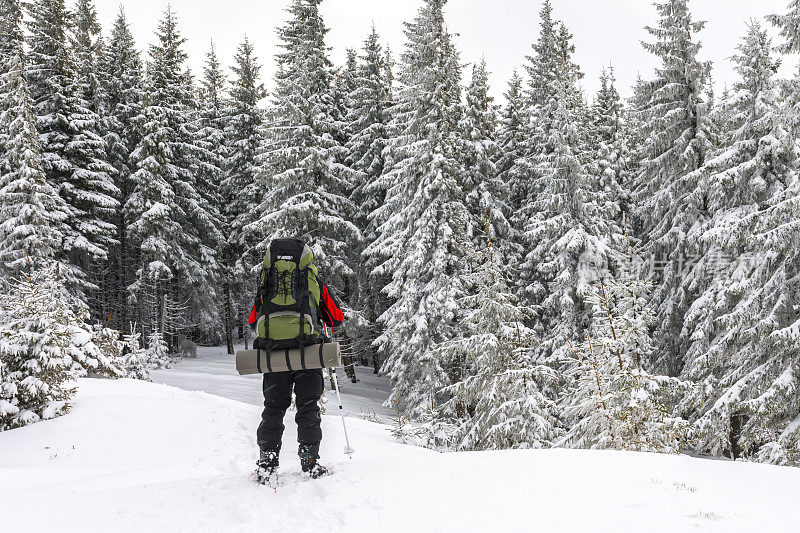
(267, 468)
(266, 476)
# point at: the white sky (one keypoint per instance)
(606, 31)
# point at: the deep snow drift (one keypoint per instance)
(135, 456)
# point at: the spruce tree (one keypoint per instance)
(157, 352)
(789, 27)
(512, 145)
(614, 401)
(610, 157)
(211, 154)
(485, 194)
(123, 90)
(303, 186)
(167, 218)
(37, 336)
(673, 147)
(240, 192)
(370, 100)
(32, 214)
(542, 68)
(73, 150)
(342, 87)
(134, 357)
(716, 126)
(87, 45)
(423, 237)
(741, 329)
(544, 64)
(569, 233)
(504, 400)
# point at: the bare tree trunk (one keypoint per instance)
(245, 333)
(227, 318)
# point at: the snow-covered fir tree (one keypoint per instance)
(110, 346)
(485, 193)
(512, 145)
(633, 127)
(302, 185)
(167, 218)
(788, 25)
(569, 233)
(73, 150)
(500, 403)
(32, 214)
(423, 237)
(716, 126)
(87, 45)
(211, 154)
(542, 67)
(45, 343)
(342, 86)
(672, 147)
(157, 353)
(741, 329)
(609, 153)
(370, 101)
(123, 90)
(243, 120)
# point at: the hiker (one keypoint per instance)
(290, 294)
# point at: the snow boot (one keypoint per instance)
(309, 464)
(266, 467)
(311, 467)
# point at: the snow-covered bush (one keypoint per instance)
(93, 350)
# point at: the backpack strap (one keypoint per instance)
(264, 296)
(304, 309)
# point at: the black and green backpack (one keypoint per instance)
(289, 292)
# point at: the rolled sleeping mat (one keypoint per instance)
(325, 355)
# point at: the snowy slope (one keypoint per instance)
(135, 456)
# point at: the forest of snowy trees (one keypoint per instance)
(559, 269)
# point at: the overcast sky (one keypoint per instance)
(606, 31)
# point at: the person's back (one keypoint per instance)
(292, 304)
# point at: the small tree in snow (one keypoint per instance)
(616, 402)
(157, 353)
(134, 357)
(108, 342)
(36, 348)
(89, 358)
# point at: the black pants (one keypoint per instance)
(308, 388)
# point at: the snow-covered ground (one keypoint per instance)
(136, 456)
(214, 371)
